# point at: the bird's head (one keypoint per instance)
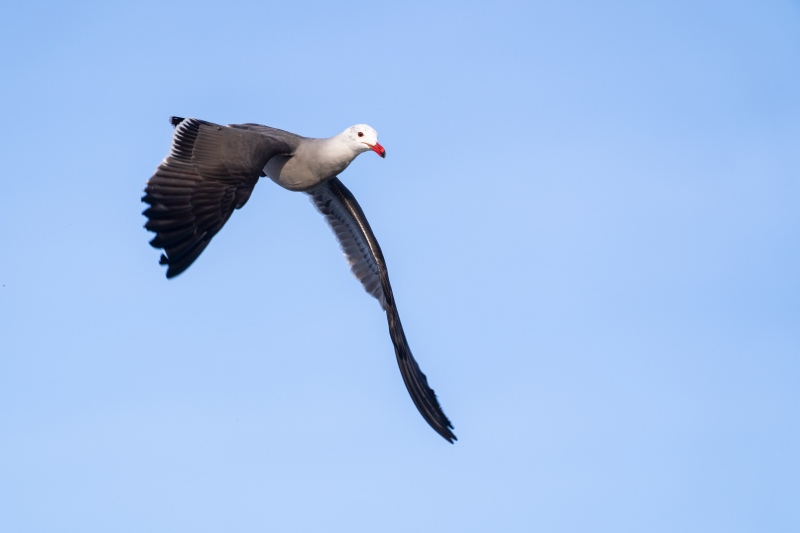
(362, 138)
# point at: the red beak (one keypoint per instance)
(378, 149)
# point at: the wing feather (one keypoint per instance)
(362, 251)
(210, 171)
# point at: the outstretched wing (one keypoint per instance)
(210, 171)
(352, 230)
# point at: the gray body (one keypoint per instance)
(312, 163)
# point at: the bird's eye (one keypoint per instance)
(360, 133)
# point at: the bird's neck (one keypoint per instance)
(334, 155)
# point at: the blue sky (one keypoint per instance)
(590, 216)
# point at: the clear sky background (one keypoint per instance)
(591, 217)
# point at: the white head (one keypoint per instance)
(362, 138)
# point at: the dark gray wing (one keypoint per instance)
(354, 241)
(275, 133)
(210, 171)
(348, 222)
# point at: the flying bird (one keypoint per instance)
(212, 169)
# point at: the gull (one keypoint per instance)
(212, 169)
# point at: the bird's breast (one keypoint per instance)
(298, 174)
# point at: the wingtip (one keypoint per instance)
(171, 271)
(445, 432)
